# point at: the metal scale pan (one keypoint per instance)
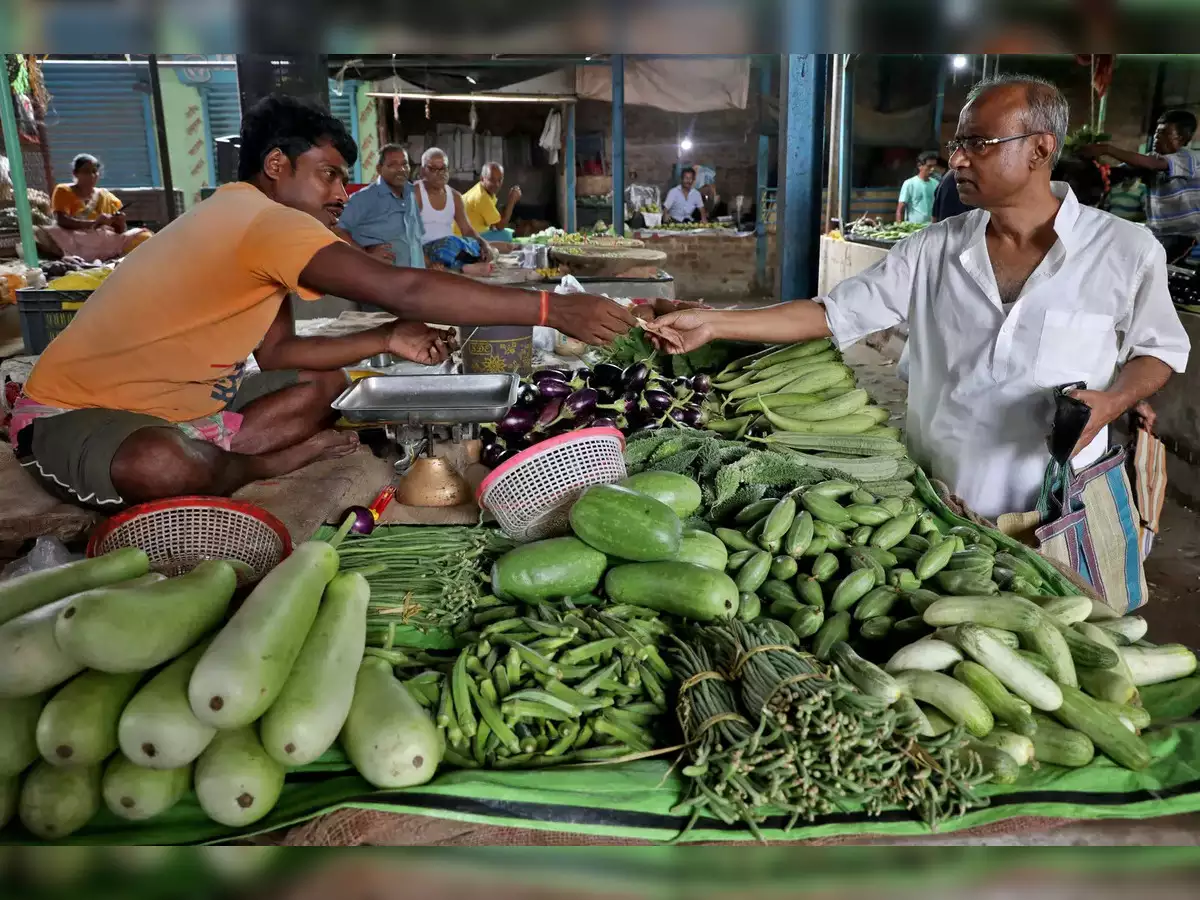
(428, 399)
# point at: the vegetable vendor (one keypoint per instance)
(1028, 291)
(916, 194)
(684, 202)
(88, 222)
(145, 394)
(383, 218)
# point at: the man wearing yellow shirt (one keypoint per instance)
(480, 204)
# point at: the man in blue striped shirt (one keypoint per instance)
(1173, 180)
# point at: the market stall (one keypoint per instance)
(718, 602)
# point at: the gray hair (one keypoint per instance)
(491, 164)
(431, 154)
(1047, 109)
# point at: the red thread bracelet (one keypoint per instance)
(545, 317)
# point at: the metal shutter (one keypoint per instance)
(103, 110)
(345, 108)
(223, 108)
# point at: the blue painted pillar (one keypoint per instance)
(798, 215)
(846, 145)
(764, 164)
(569, 162)
(618, 143)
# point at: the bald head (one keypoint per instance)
(1032, 104)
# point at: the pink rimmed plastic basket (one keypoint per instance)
(531, 495)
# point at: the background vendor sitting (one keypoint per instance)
(480, 204)
(684, 203)
(88, 219)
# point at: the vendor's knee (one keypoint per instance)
(160, 462)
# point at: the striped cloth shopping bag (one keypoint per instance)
(1093, 526)
(1149, 471)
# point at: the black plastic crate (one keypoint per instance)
(44, 314)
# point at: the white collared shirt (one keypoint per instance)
(980, 381)
(680, 206)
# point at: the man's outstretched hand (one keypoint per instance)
(593, 320)
(681, 332)
(419, 343)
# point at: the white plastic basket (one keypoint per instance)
(531, 495)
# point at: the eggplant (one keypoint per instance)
(692, 416)
(364, 519)
(548, 415)
(658, 401)
(529, 396)
(493, 454)
(701, 385)
(517, 421)
(582, 402)
(603, 423)
(553, 390)
(606, 376)
(504, 457)
(487, 437)
(608, 396)
(679, 416)
(553, 374)
(634, 378)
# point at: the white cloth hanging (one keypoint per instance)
(551, 138)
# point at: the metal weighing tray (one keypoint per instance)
(428, 399)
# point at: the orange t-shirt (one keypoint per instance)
(168, 333)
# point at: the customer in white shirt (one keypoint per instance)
(1028, 291)
(684, 201)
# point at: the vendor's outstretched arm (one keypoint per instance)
(424, 296)
(1129, 157)
(784, 323)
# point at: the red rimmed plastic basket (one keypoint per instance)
(180, 533)
(531, 495)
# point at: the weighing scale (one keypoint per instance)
(418, 411)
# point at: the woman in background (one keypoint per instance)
(89, 223)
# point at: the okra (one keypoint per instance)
(588, 687)
(545, 628)
(462, 696)
(548, 699)
(529, 709)
(535, 660)
(494, 721)
(589, 651)
(494, 614)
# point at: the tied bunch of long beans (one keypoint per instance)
(422, 576)
(770, 729)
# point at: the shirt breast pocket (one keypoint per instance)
(1074, 346)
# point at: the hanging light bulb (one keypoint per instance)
(959, 61)
(686, 144)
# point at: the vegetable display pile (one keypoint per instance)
(554, 401)
(126, 689)
(887, 231)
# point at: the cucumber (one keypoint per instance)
(682, 589)
(876, 602)
(1019, 566)
(56, 801)
(905, 557)
(835, 628)
(749, 606)
(799, 536)
(893, 532)
(866, 676)
(237, 783)
(904, 580)
(754, 571)
(863, 497)
(78, 727)
(389, 738)
(1107, 684)
(305, 720)
(784, 568)
(1047, 640)
(861, 536)
(1126, 629)
(678, 492)
(808, 589)
(752, 512)
(1152, 665)
(785, 608)
(132, 629)
(702, 549)
(917, 542)
(625, 524)
(1061, 746)
(1086, 652)
(807, 621)
(965, 583)
(777, 591)
(921, 599)
(1013, 712)
(875, 628)
(158, 729)
(778, 521)
(1018, 746)
(1106, 731)
(136, 794)
(1138, 717)
(826, 509)
(1000, 765)
(27, 592)
(736, 560)
(18, 725)
(929, 655)
(852, 589)
(1006, 611)
(816, 547)
(244, 668)
(735, 540)
(1065, 610)
(835, 538)
(825, 567)
(834, 488)
(954, 699)
(1013, 671)
(549, 569)
(868, 515)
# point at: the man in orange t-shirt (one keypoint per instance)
(143, 395)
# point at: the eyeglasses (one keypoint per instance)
(436, 168)
(975, 145)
